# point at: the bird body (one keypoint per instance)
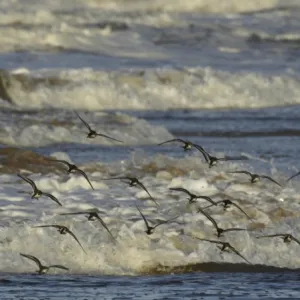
(133, 181)
(225, 246)
(91, 216)
(42, 269)
(37, 193)
(62, 230)
(72, 169)
(287, 238)
(93, 133)
(192, 197)
(255, 177)
(219, 230)
(150, 229)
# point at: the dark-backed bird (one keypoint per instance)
(42, 269)
(91, 216)
(212, 160)
(72, 169)
(92, 133)
(133, 181)
(227, 203)
(62, 230)
(192, 197)
(36, 192)
(187, 145)
(219, 230)
(150, 229)
(287, 238)
(225, 247)
(254, 177)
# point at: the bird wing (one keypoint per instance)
(239, 208)
(58, 267)
(217, 202)
(104, 225)
(240, 172)
(234, 229)
(45, 226)
(85, 176)
(209, 218)
(74, 213)
(101, 134)
(28, 180)
(207, 240)
(293, 176)
(204, 153)
(294, 239)
(61, 161)
(73, 235)
(52, 197)
(164, 222)
(207, 199)
(181, 190)
(271, 179)
(233, 158)
(36, 260)
(271, 235)
(239, 254)
(84, 122)
(122, 177)
(200, 148)
(173, 140)
(144, 188)
(145, 220)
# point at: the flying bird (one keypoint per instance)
(42, 269)
(192, 197)
(133, 181)
(72, 169)
(212, 160)
(219, 230)
(187, 145)
(62, 230)
(225, 247)
(150, 229)
(227, 203)
(254, 177)
(287, 238)
(36, 192)
(92, 133)
(91, 216)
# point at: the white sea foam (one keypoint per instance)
(215, 90)
(135, 251)
(129, 130)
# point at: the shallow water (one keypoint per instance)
(187, 286)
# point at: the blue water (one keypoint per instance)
(183, 286)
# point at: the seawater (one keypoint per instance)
(224, 76)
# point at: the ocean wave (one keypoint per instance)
(160, 89)
(171, 246)
(37, 130)
(203, 6)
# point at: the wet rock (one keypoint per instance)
(213, 267)
(112, 25)
(12, 160)
(256, 226)
(279, 213)
(10, 83)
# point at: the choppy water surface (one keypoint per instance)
(183, 286)
(224, 76)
